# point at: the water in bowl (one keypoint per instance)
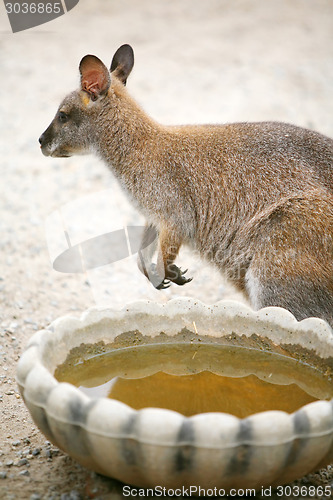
(198, 378)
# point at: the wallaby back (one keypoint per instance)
(256, 199)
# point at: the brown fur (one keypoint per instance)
(256, 199)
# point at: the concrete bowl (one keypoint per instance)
(158, 447)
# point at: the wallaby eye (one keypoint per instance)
(63, 117)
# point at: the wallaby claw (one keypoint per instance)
(182, 280)
(165, 284)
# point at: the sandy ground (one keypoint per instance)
(196, 61)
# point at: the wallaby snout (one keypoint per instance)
(68, 132)
(255, 199)
(50, 140)
(44, 142)
(48, 145)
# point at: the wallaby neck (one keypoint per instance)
(126, 134)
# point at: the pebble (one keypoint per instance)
(24, 473)
(9, 463)
(13, 326)
(29, 321)
(17, 442)
(21, 462)
(35, 496)
(35, 452)
(3, 474)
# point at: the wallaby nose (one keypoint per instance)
(41, 139)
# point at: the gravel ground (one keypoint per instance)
(196, 61)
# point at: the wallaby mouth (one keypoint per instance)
(62, 155)
(49, 150)
(44, 146)
(54, 154)
(45, 151)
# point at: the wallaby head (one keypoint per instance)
(73, 129)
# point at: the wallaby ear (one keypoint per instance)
(122, 62)
(95, 77)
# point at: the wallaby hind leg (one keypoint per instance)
(292, 258)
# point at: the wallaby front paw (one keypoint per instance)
(176, 275)
(157, 281)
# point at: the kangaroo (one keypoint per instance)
(255, 199)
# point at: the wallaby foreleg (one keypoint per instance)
(148, 246)
(169, 245)
(165, 271)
